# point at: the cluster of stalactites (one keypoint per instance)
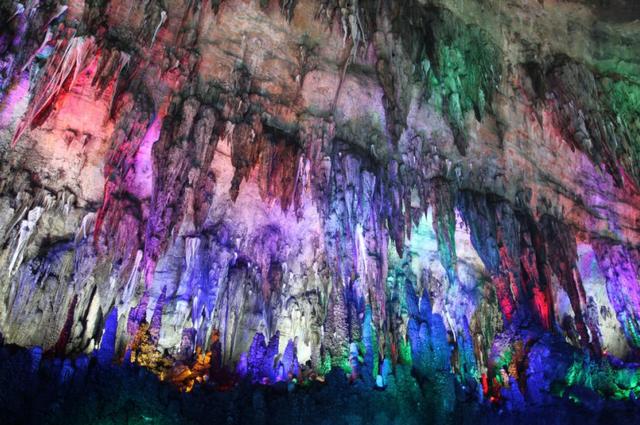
(364, 202)
(524, 257)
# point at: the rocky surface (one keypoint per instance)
(225, 188)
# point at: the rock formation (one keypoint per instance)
(222, 190)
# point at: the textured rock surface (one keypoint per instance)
(262, 185)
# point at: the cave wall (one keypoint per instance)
(441, 182)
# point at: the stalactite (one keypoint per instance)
(562, 254)
(444, 222)
(156, 318)
(287, 7)
(61, 74)
(136, 116)
(27, 228)
(574, 89)
(533, 279)
(481, 218)
(163, 18)
(181, 146)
